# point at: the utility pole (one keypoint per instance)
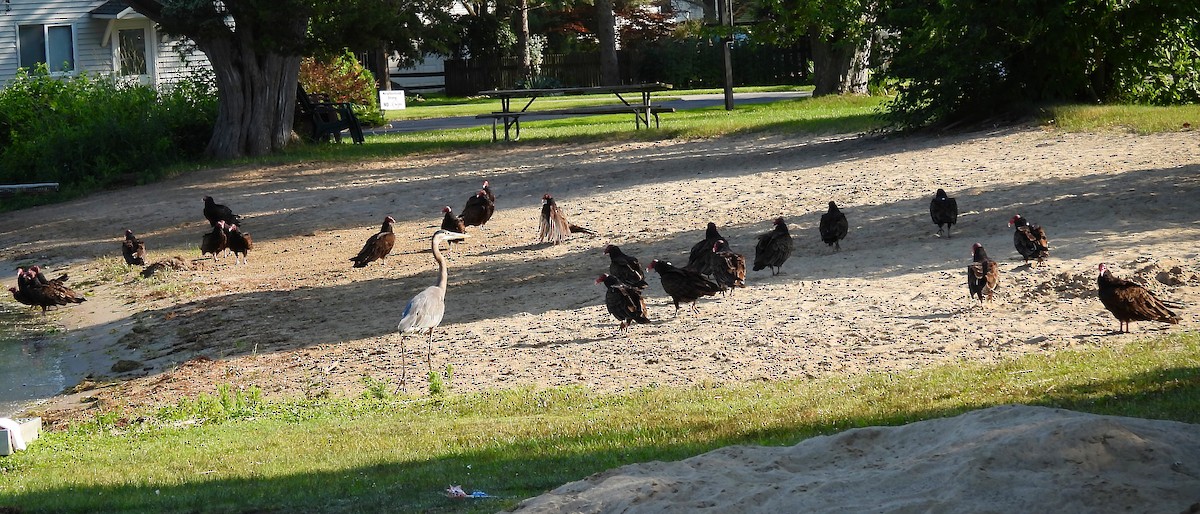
(725, 14)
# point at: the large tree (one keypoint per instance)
(255, 47)
(839, 32)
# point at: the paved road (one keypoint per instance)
(683, 102)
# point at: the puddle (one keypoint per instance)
(31, 365)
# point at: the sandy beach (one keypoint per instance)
(298, 320)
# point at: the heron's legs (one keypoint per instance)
(429, 356)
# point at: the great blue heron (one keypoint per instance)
(425, 310)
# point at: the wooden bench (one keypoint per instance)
(327, 118)
(512, 120)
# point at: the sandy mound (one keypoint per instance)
(1002, 459)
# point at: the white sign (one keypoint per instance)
(391, 100)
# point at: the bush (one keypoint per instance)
(960, 61)
(344, 79)
(89, 132)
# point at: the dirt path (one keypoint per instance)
(299, 320)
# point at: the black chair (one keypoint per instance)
(327, 118)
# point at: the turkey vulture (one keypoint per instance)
(625, 267)
(21, 292)
(452, 223)
(728, 268)
(1128, 301)
(49, 294)
(35, 272)
(698, 256)
(944, 211)
(215, 212)
(487, 189)
(23, 280)
(377, 246)
(215, 242)
(21, 297)
(479, 208)
(982, 274)
(682, 284)
(553, 225)
(833, 227)
(773, 248)
(133, 249)
(240, 243)
(1029, 239)
(624, 301)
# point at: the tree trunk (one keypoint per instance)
(839, 65)
(256, 94)
(606, 32)
(523, 42)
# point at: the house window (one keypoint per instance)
(132, 47)
(50, 44)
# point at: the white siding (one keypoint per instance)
(176, 59)
(50, 12)
(93, 55)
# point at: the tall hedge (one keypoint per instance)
(87, 132)
(962, 60)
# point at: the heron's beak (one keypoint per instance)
(455, 236)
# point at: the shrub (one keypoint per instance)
(88, 132)
(344, 79)
(960, 61)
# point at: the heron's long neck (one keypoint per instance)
(441, 262)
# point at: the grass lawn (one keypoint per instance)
(381, 453)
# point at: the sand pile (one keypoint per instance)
(1002, 459)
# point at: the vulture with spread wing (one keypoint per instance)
(553, 225)
(1128, 301)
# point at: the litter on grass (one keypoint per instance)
(456, 491)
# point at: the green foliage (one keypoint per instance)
(484, 36)
(344, 79)
(227, 404)
(409, 29)
(375, 389)
(89, 132)
(962, 60)
(696, 62)
(1168, 75)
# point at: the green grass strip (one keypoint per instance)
(234, 452)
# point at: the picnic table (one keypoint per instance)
(638, 104)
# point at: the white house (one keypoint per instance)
(99, 37)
